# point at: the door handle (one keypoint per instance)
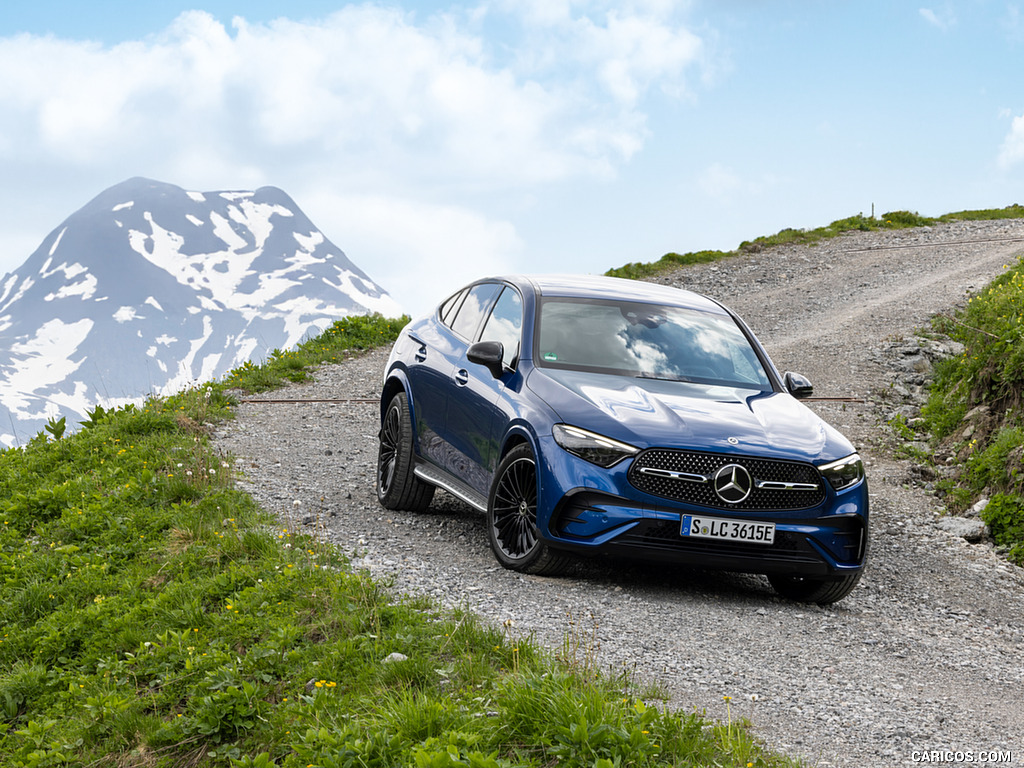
(462, 377)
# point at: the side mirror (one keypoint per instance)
(798, 386)
(489, 354)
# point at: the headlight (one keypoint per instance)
(595, 448)
(844, 473)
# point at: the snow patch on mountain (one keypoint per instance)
(150, 288)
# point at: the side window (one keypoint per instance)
(473, 308)
(505, 324)
(447, 311)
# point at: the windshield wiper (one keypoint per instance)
(663, 378)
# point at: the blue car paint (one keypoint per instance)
(626, 505)
(685, 415)
(486, 415)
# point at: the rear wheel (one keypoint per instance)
(820, 591)
(397, 485)
(512, 517)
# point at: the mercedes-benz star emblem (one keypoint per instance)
(732, 483)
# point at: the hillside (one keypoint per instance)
(887, 222)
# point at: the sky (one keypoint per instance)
(438, 142)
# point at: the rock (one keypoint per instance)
(979, 413)
(942, 349)
(966, 528)
(395, 657)
(978, 508)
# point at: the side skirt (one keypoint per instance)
(444, 480)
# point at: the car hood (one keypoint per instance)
(650, 412)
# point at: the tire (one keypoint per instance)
(512, 518)
(820, 591)
(397, 485)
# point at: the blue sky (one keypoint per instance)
(435, 142)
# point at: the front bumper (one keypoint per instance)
(592, 510)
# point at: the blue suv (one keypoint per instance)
(588, 415)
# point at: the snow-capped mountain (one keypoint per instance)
(149, 288)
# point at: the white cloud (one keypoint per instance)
(634, 52)
(367, 88)
(1012, 150)
(618, 49)
(426, 114)
(719, 182)
(722, 183)
(943, 18)
(419, 251)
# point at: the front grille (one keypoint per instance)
(785, 485)
(663, 536)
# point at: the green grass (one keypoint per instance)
(152, 615)
(991, 369)
(639, 270)
(353, 334)
(989, 373)
(891, 220)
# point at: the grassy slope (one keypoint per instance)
(152, 615)
(891, 220)
(976, 407)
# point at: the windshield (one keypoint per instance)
(647, 341)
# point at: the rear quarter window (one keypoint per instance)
(451, 306)
(473, 308)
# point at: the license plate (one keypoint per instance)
(702, 527)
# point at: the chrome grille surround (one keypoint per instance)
(688, 477)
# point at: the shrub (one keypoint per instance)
(1004, 515)
(991, 369)
(904, 219)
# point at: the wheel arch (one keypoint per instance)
(396, 382)
(518, 434)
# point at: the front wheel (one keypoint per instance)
(397, 485)
(512, 517)
(820, 591)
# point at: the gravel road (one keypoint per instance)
(926, 654)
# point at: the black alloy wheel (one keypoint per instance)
(512, 517)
